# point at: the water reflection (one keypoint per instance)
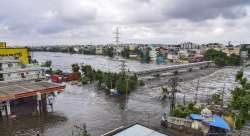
(30, 125)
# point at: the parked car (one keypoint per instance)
(56, 78)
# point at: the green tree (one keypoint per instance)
(216, 99)
(121, 85)
(47, 63)
(88, 72)
(75, 67)
(239, 75)
(241, 99)
(125, 52)
(221, 59)
(99, 76)
(110, 52)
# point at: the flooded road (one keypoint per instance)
(102, 112)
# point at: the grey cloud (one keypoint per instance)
(88, 19)
(199, 10)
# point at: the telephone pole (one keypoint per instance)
(196, 92)
(222, 95)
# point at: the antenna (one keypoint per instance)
(116, 36)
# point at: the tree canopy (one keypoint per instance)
(221, 59)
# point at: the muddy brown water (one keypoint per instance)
(86, 104)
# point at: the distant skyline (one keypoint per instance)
(48, 22)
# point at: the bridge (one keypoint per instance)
(174, 68)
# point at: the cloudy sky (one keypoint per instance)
(36, 22)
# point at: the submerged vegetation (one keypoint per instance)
(108, 80)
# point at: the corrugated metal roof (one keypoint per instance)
(139, 130)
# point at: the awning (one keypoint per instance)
(217, 121)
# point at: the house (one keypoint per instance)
(134, 130)
(14, 65)
(153, 53)
(99, 50)
(231, 50)
(14, 70)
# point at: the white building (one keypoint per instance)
(12, 70)
(99, 50)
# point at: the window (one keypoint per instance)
(1, 77)
(22, 75)
(10, 65)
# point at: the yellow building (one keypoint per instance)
(231, 50)
(22, 53)
(2, 44)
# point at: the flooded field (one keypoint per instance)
(102, 112)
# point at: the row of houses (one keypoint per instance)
(153, 53)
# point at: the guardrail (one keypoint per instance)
(173, 67)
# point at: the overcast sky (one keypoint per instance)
(140, 21)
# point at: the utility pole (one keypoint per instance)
(123, 72)
(173, 84)
(222, 95)
(184, 99)
(126, 97)
(123, 66)
(196, 92)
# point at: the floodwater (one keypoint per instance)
(102, 112)
(96, 61)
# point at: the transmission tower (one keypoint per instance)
(173, 84)
(123, 66)
(117, 36)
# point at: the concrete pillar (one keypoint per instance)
(8, 107)
(44, 103)
(50, 100)
(39, 98)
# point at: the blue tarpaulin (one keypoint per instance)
(216, 121)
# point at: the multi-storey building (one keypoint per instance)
(11, 69)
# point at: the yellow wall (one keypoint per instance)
(2, 44)
(230, 51)
(22, 53)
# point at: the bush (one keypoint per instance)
(47, 63)
(141, 83)
(84, 80)
(183, 111)
(75, 67)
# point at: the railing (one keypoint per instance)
(173, 67)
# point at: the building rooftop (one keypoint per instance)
(135, 130)
(18, 70)
(16, 90)
(9, 61)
